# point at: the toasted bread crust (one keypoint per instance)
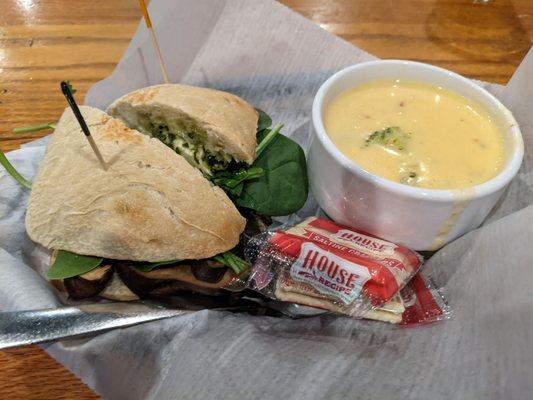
(228, 120)
(149, 205)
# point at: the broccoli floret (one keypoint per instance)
(393, 137)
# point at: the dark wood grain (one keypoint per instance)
(45, 41)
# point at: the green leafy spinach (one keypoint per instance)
(67, 265)
(268, 135)
(281, 188)
(13, 172)
(8, 166)
(35, 128)
(233, 181)
(237, 264)
(147, 267)
(264, 121)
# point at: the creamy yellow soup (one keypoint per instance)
(416, 133)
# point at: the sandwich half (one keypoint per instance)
(150, 204)
(150, 207)
(209, 128)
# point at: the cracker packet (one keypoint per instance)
(423, 302)
(321, 264)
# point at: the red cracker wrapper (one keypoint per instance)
(321, 264)
(423, 303)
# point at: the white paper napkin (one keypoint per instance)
(276, 60)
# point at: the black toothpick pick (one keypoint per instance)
(65, 88)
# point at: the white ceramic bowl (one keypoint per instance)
(422, 219)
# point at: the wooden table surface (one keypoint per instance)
(45, 41)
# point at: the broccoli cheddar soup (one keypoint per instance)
(416, 133)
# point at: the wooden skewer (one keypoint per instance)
(65, 88)
(148, 22)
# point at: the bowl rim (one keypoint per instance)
(507, 173)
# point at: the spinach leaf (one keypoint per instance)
(228, 259)
(283, 187)
(67, 265)
(9, 167)
(13, 172)
(34, 128)
(264, 121)
(237, 264)
(147, 267)
(268, 135)
(232, 181)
